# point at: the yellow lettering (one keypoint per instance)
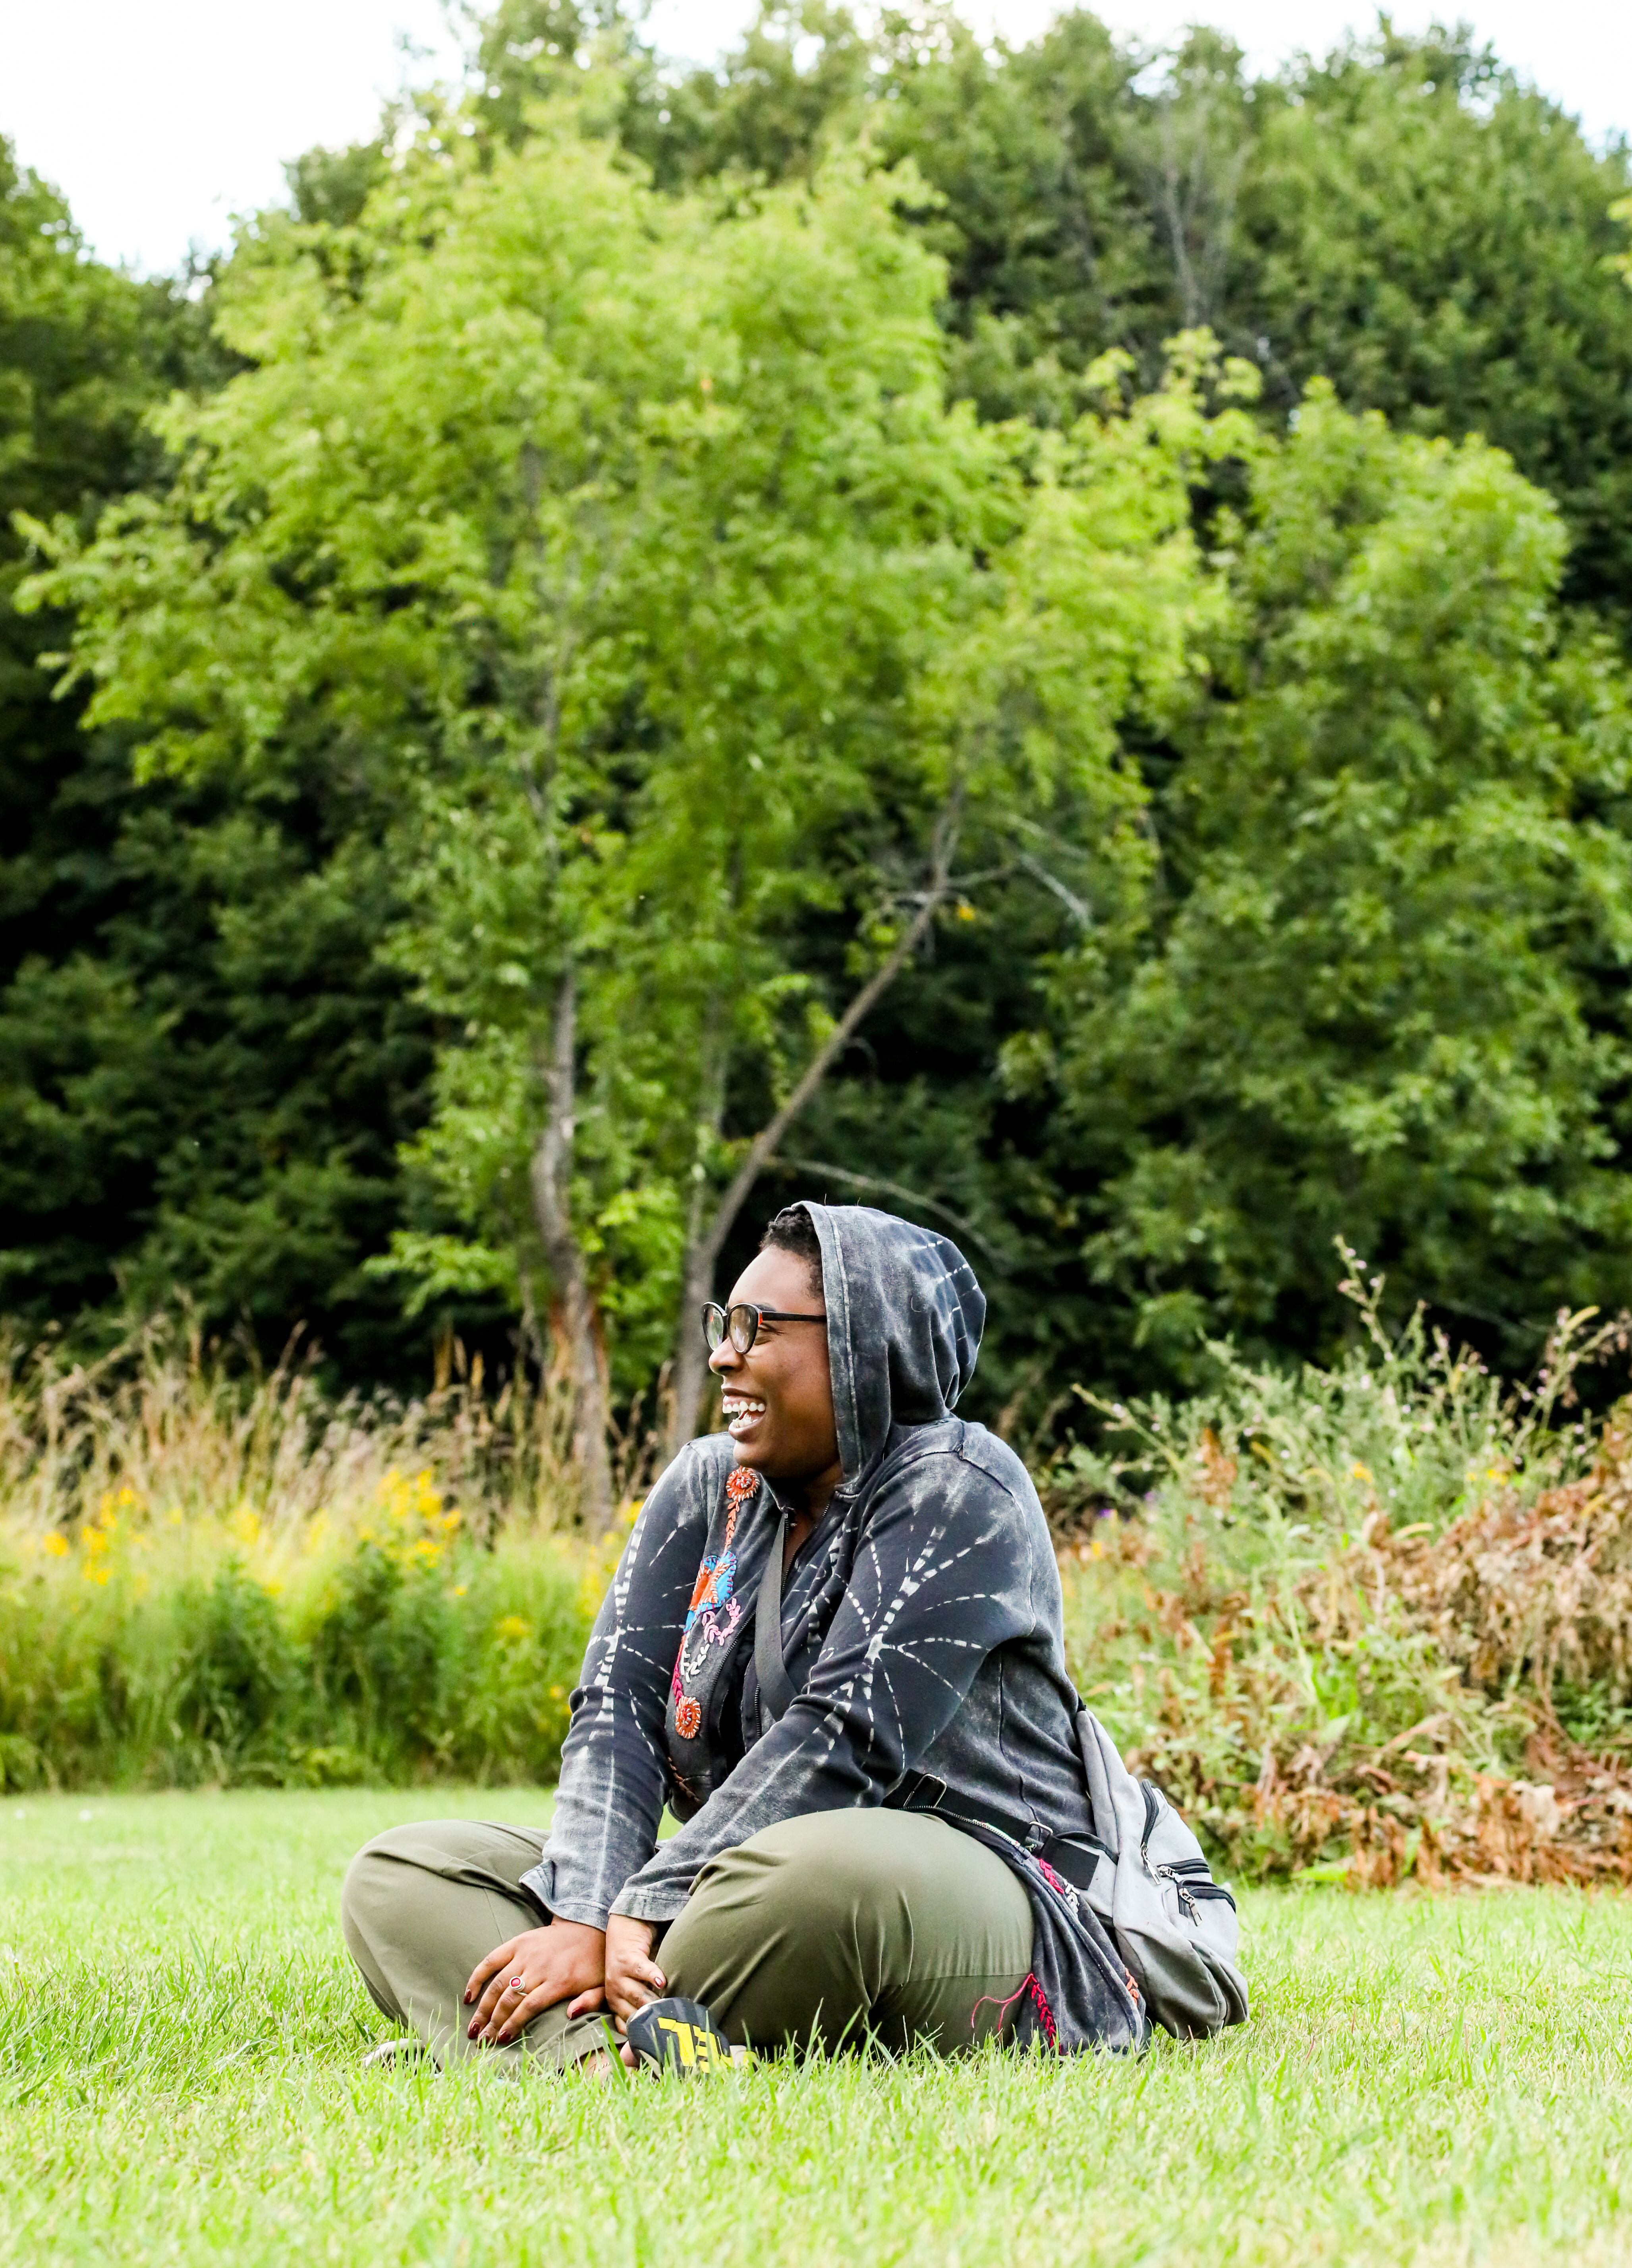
(683, 2036)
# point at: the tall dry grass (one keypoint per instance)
(204, 1576)
(1374, 1621)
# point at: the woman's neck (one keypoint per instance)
(806, 1501)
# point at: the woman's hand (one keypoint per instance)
(530, 1973)
(633, 1977)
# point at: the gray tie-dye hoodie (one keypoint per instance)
(921, 1626)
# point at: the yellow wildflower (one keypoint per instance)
(57, 1545)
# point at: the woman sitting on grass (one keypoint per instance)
(833, 1646)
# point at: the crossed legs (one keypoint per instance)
(817, 1932)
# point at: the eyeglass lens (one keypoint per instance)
(742, 1322)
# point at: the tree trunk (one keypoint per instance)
(689, 1377)
(704, 1246)
(552, 1191)
(691, 1355)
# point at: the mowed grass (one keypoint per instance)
(1432, 2080)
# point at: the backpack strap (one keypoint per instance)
(1101, 1803)
(769, 1666)
(1073, 1856)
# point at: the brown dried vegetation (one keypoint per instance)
(1337, 1676)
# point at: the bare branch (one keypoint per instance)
(1001, 1261)
(1080, 913)
(765, 1143)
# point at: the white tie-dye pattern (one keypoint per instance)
(938, 1651)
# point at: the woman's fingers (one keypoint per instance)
(633, 1977)
(487, 2007)
(490, 1967)
(492, 2009)
(627, 1990)
(587, 2002)
(533, 1972)
(528, 2004)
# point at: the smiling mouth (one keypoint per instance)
(743, 1413)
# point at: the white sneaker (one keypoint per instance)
(390, 2053)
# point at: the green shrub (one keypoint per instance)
(211, 1578)
(207, 1652)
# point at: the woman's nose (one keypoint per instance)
(724, 1357)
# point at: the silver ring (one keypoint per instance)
(517, 1983)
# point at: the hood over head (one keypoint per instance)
(904, 1315)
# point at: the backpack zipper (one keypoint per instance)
(1183, 1872)
(1202, 1882)
(1183, 1889)
(1152, 1813)
(1212, 1890)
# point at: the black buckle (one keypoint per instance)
(919, 1792)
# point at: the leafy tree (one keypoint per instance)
(1042, 204)
(631, 547)
(799, 79)
(78, 363)
(579, 656)
(1435, 238)
(1404, 217)
(1393, 877)
(203, 1070)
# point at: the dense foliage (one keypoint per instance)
(1373, 1621)
(1087, 620)
(204, 1067)
(202, 1584)
(1363, 1622)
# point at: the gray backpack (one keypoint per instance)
(1175, 1927)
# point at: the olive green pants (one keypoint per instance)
(821, 1930)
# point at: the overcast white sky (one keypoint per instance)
(161, 118)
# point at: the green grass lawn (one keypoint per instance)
(1424, 2079)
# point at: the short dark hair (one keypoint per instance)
(792, 1230)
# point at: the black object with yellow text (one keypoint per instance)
(679, 2035)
